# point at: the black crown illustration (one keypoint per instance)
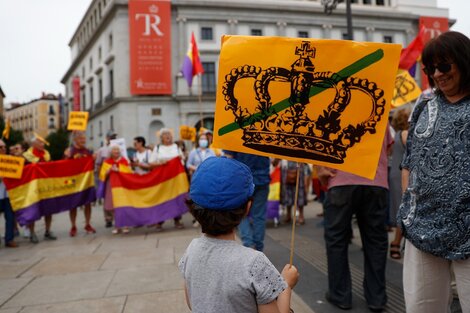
(286, 129)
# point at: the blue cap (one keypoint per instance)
(221, 184)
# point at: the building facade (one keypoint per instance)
(100, 53)
(39, 116)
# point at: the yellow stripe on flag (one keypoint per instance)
(46, 188)
(274, 191)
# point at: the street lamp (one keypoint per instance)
(330, 5)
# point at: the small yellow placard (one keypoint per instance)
(187, 133)
(11, 166)
(406, 89)
(78, 120)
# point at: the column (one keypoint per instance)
(327, 30)
(281, 28)
(232, 26)
(370, 33)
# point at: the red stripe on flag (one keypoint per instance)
(52, 169)
(159, 175)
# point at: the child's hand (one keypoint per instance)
(290, 275)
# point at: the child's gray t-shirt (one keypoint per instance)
(224, 276)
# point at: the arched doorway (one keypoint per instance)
(153, 128)
(208, 122)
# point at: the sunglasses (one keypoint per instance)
(442, 67)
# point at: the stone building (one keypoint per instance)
(39, 116)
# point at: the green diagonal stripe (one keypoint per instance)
(284, 104)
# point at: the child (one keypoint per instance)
(220, 274)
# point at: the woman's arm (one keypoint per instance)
(405, 175)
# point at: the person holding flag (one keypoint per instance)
(37, 154)
(78, 150)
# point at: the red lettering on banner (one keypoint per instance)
(150, 47)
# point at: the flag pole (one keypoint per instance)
(199, 79)
(294, 218)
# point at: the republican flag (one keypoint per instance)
(123, 167)
(51, 187)
(151, 198)
(192, 65)
(274, 194)
(410, 54)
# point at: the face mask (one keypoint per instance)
(203, 143)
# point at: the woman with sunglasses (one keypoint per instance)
(435, 210)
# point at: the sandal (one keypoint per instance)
(395, 251)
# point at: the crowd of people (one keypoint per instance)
(421, 189)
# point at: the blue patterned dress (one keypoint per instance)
(435, 212)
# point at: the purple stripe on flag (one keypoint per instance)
(187, 70)
(130, 216)
(50, 206)
(100, 189)
(412, 69)
(272, 210)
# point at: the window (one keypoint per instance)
(51, 110)
(100, 128)
(91, 63)
(91, 132)
(51, 123)
(111, 122)
(83, 106)
(302, 34)
(111, 82)
(100, 90)
(256, 32)
(99, 54)
(91, 96)
(345, 36)
(83, 72)
(366, 1)
(110, 41)
(380, 2)
(208, 79)
(388, 39)
(206, 33)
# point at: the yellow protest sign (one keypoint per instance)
(11, 166)
(319, 101)
(78, 120)
(187, 133)
(406, 89)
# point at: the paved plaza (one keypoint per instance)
(137, 273)
(100, 273)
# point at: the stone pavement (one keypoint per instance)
(102, 273)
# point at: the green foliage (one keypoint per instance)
(58, 142)
(16, 136)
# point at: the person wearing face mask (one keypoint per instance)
(198, 155)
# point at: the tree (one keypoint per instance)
(58, 142)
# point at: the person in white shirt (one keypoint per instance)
(161, 154)
(141, 159)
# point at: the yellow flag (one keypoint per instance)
(406, 89)
(319, 101)
(6, 130)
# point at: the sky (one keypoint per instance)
(34, 37)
